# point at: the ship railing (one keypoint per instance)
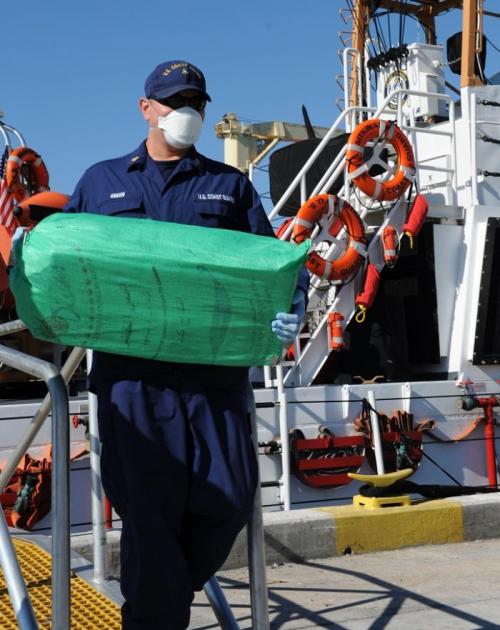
(336, 167)
(56, 404)
(6, 131)
(474, 124)
(354, 118)
(60, 497)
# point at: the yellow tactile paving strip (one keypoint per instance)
(89, 609)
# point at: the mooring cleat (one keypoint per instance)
(382, 481)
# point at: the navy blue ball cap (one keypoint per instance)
(171, 77)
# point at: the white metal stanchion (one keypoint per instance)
(98, 520)
(377, 440)
(256, 549)
(285, 443)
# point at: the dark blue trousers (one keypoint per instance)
(179, 468)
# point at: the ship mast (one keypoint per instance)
(425, 13)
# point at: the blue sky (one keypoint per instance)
(73, 72)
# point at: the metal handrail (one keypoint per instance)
(376, 112)
(347, 88)
(59, 483)
(256, 545)
(217, 600)
(97, 491)
(309, 162)
(5, 129)
(67, 372)
(16, 586)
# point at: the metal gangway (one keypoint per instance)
(56, 404)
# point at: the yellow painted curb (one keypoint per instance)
(361, 530)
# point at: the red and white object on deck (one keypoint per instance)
(335, 331)
(390, 245)
(365, 299)
(416, 217)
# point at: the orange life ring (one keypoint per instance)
(18, 157)
(386, 131)
(341, 214)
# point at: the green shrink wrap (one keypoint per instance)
(155, 290)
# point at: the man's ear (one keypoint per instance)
(145, 107)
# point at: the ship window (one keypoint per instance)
(487, 345)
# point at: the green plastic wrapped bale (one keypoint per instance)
(155, 290)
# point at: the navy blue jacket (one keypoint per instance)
(198, 191)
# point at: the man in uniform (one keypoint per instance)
(177, 460)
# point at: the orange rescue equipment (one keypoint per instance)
(416, 217)
(390, 245)
(365, 299)
(39, 176)
(35, 208)
(283, 228)
(383, 131)
(335, 331)
(5, 247)
(334, 209)
(325, 461)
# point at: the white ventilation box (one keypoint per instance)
(423, 71)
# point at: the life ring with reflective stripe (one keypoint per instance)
(338, 213)
(40, 176)
(384, 131)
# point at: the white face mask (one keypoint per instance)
(181, 127)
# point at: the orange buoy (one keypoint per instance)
(335, 331)
(333, 208)
(358, 169)
(283, 228)
(365, 299)
(35, 208)
(6, 297)
(416, 217)
(390, 245)
(5, 248)
(17, 159)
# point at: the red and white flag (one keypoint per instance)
(6, 198)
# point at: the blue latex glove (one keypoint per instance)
(16, 238)
(286, 326)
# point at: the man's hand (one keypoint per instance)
(286, 326)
